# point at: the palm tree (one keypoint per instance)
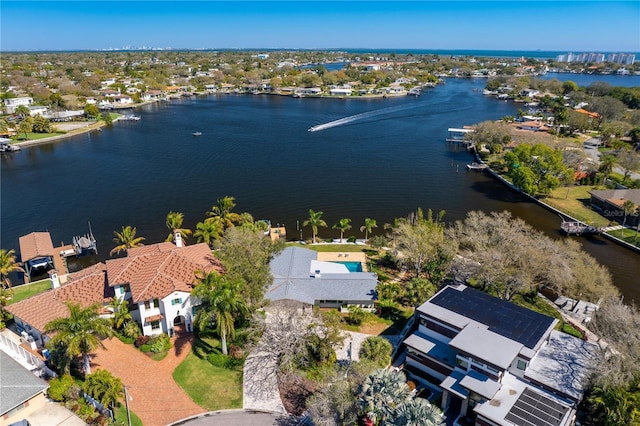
(8, 265)
(377, 349)
(126, 239)
(209, 230)
(635, 240)
(627, 208)
(369, 224)
(174, 223)
(80, 333)
(382, 392)
(104, 387)
(606, 166)
(344, 224)
(223, 210)
(315, 221)
(221, 304)
(121, 314)
(416, 412)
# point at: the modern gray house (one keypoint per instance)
(608, 202)
(299, 275)
(502, 364)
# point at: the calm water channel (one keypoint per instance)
(387, 157)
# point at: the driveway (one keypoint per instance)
(154, 396)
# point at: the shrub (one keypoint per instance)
(145, 348)
(58, 387)
(160, 343)
(235, 351)
(132, 330)
(356, 315)
(141, 340)
(217, 359)
(126, 340)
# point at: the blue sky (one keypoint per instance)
(501, 25)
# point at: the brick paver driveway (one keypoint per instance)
(156, 398)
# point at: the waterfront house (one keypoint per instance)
(299, 275)
(85, 287)
(609, 202)
(12, 103)
(502, 364)
(157, 281)
(340, 90)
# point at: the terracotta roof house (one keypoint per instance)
(157, 280)
(86, 287)
(503, 364)
(299, 275)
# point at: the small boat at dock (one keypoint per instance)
(130, 118)
(476, 166)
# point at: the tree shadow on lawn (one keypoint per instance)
(200, 347)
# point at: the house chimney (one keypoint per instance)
(177, 238)
(53, 276)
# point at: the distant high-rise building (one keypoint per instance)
(598, 58)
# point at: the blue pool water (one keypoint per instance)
(352, 266)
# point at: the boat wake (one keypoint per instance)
(363, 115)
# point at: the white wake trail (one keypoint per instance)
(361, 116)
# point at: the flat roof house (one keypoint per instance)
(501, 363)
(299, 275)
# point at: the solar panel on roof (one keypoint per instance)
(534, 409)
(502, 317)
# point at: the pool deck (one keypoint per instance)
(344, 257)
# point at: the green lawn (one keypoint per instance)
(25, 291)
(574, 201)
(121, 416)
(210, 387)
(36, 136)
(626, 234)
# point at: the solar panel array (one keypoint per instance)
(534, 409)
(502, 317)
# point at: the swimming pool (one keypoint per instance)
(352, 266)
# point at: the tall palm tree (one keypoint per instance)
(377, 349)
(8, 265)
(606, 166)
(80, 333)
(174, 223)
(315, 220)
(104, 387)
(121, 314)
(209, 230)
(126, 239)
(221, 304)
(635, 240)
(344, 224)
(223, 210)
(369, 224)
(627, 208)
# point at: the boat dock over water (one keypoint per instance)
(459, 136)
(477, 166)
(578, 228)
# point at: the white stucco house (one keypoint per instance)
(12, 103)
(157, 280)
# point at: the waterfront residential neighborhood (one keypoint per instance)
(319, 213)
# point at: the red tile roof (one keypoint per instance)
(157, 270)
(35, 244)
(84, 287)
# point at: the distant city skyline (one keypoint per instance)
(561, 26)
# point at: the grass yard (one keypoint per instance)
(626, 234)
(25, 291)
(574, 200)
(121, 416)
(210, 387)
(36, 136)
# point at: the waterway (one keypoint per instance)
(381, 158)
